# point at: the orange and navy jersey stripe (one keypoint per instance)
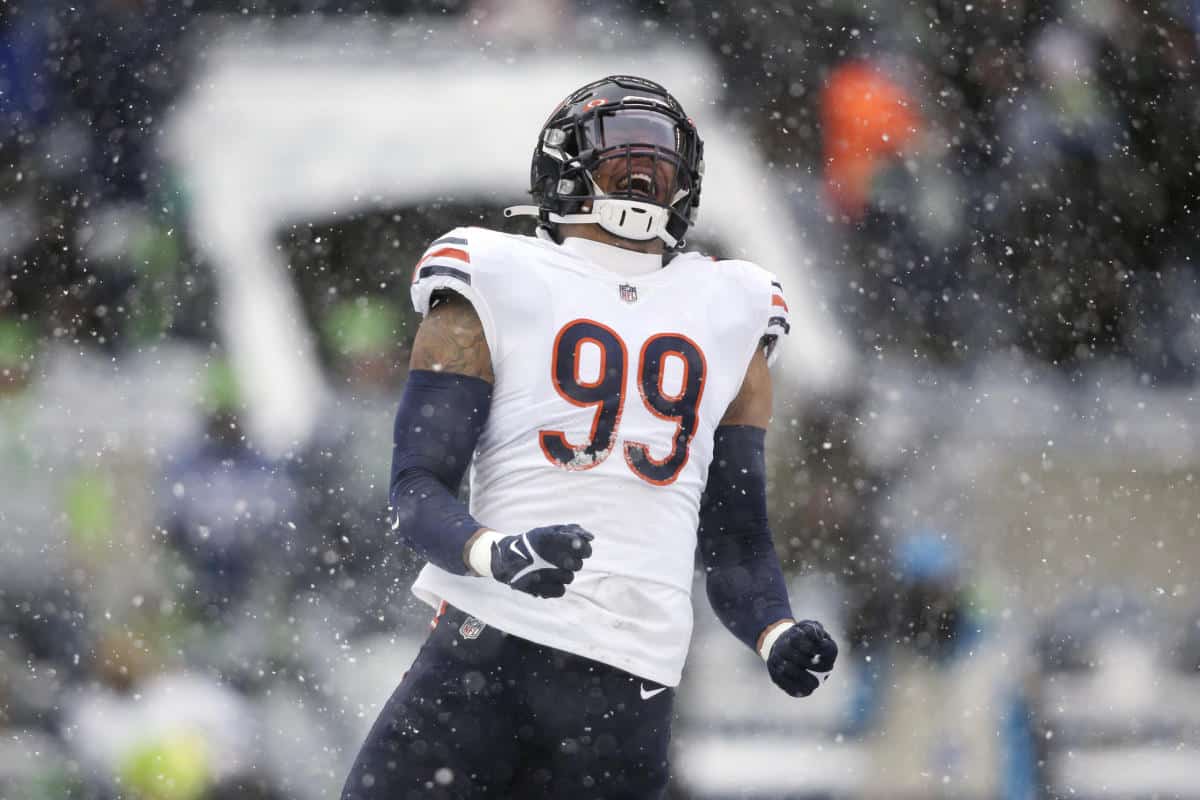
(777, 316)
(442, 257)
(777, 322)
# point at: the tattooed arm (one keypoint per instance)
(450, 339)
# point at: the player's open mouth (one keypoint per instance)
(639, 183)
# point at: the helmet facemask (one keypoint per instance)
(628, 174)
(627, 162)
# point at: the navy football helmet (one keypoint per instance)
(621, 153)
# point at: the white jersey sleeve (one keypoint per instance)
(763, 303)
(457, 262)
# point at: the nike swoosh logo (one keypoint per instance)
(513, 546)
(396, 522)
(647, 694)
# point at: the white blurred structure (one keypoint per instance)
(295, 122)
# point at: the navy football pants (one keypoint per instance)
(484, 714)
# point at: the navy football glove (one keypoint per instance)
(801, 658)
(543, 561)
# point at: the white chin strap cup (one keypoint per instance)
(628, 219)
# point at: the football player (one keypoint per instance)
(610, 393)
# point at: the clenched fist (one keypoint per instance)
(801, 658)
(542, 561)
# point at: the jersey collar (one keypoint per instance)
(612, 258)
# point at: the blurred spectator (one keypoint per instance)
(945, 702)
(39, 614)
(230, 514)
(828, 506)
(117, 65)
(349, 463)
(868, 119)
(176, 738)
(25, 98)
(526, 21)
(1111, 692)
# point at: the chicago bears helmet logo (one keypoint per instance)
(628, 293)
(471, 628)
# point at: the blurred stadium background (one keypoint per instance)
(985, 455)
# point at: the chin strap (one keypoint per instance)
(629, 219)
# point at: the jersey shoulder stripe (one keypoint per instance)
(440, 269)
(453, 263)
(440, 257)
(474, 263)
(770, 307)
(778, 322)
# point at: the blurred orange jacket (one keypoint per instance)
(867, 118)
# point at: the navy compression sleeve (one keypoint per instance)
(439, 421)
(745, 584)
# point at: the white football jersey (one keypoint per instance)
(608, 391)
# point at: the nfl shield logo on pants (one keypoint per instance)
(471, 628)
(628, 293)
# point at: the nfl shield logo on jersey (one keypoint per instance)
(471, 628)
(628, 293)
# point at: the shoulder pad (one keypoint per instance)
(456, 262)
(770, 308)
(447, 257)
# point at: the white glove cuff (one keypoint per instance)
(479, 557)
(772, 637)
